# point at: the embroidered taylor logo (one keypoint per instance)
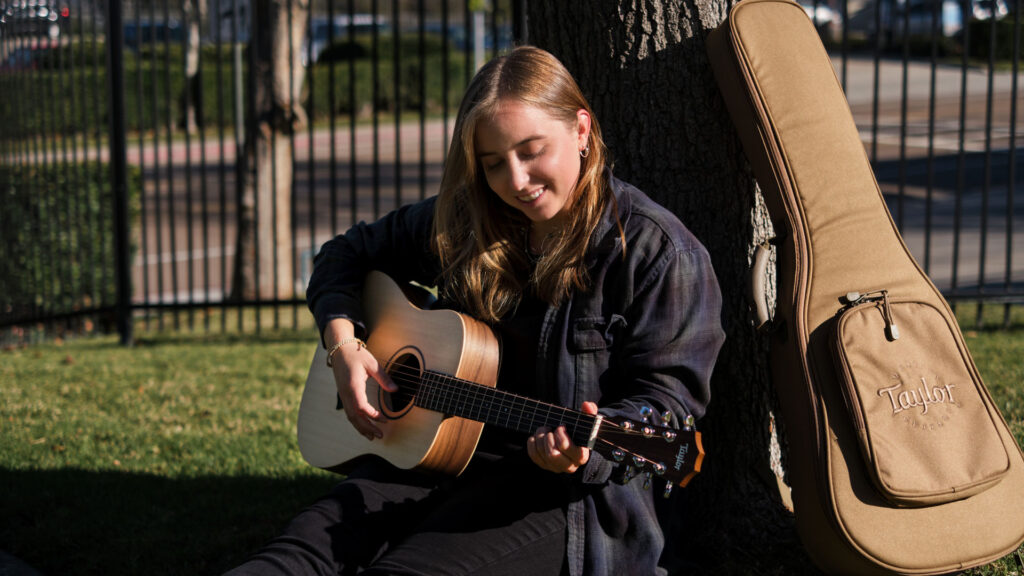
(925, 395)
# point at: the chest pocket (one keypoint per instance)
(595, 333)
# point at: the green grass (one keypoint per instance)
(999, 355)
(178, 456)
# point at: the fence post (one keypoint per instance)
(118, 169)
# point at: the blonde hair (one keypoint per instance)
(480, 239)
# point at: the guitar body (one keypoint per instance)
(400, 334)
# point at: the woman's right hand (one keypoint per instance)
(353, 365)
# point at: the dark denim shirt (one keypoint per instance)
(646, 333)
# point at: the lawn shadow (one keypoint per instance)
(73, 521)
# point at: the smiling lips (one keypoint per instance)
(531, 196)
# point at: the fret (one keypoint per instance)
(442, 393)
(495, 405)
(426, 395)
(476, 400)
(519, 414)
(508, 408)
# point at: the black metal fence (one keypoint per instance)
(123, 197)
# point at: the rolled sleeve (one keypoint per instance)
(398, 244)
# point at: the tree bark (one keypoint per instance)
(643, 65)
(264, 258)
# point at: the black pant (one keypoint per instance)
(498, 518)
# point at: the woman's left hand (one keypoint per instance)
(554, 451)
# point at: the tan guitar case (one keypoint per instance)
(899, 461)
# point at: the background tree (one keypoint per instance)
(643, 65)
(192, 94)
(264, 257)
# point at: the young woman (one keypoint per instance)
(601, 299)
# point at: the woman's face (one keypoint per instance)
(531, 160)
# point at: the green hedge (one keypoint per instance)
(57, 252)
(67, 93)
(981, 37)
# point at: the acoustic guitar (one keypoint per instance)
(446, 367)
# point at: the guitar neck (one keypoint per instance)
(448, 395)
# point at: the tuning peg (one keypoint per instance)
(647, 480)
(668, 490)
(669, 435)
(627, 425)
(639, 461)
(689, 423)
(628, 475)
(666, 417)
(647, 431)
(646, 412)
(659, 468)
(618, 455)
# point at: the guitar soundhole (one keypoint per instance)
(405, 372)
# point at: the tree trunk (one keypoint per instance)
(265, 255)
(644, 68)
(192, 92)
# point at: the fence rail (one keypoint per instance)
(121, 126)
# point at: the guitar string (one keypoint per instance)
(408, 382)
(482, 396)
(413, 379)
(479, 397)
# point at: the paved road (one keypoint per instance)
(962, 190)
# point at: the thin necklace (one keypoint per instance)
(530, 254)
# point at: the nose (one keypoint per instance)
(518, 176)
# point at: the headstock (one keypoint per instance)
(652, 450)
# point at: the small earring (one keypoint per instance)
(585, 152)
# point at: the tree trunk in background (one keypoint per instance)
(192, 93)
(644, 68)
(264, 258)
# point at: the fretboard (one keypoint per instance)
(452, 396)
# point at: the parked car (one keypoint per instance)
(827, 21)
(923, 13)
(22, 58)
(920, 15)
(985, 9)
(320, 32)
(37, 18)
(147, 32)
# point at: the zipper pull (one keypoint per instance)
(892, 332)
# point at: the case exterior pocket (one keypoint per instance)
(925, 432)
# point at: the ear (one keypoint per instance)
(582, 128)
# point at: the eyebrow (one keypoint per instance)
(526, 140)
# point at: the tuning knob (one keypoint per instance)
(689, 423)
(646, 412)
(628, 475)
(668, 490)
(666, 417)
(647, 480)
